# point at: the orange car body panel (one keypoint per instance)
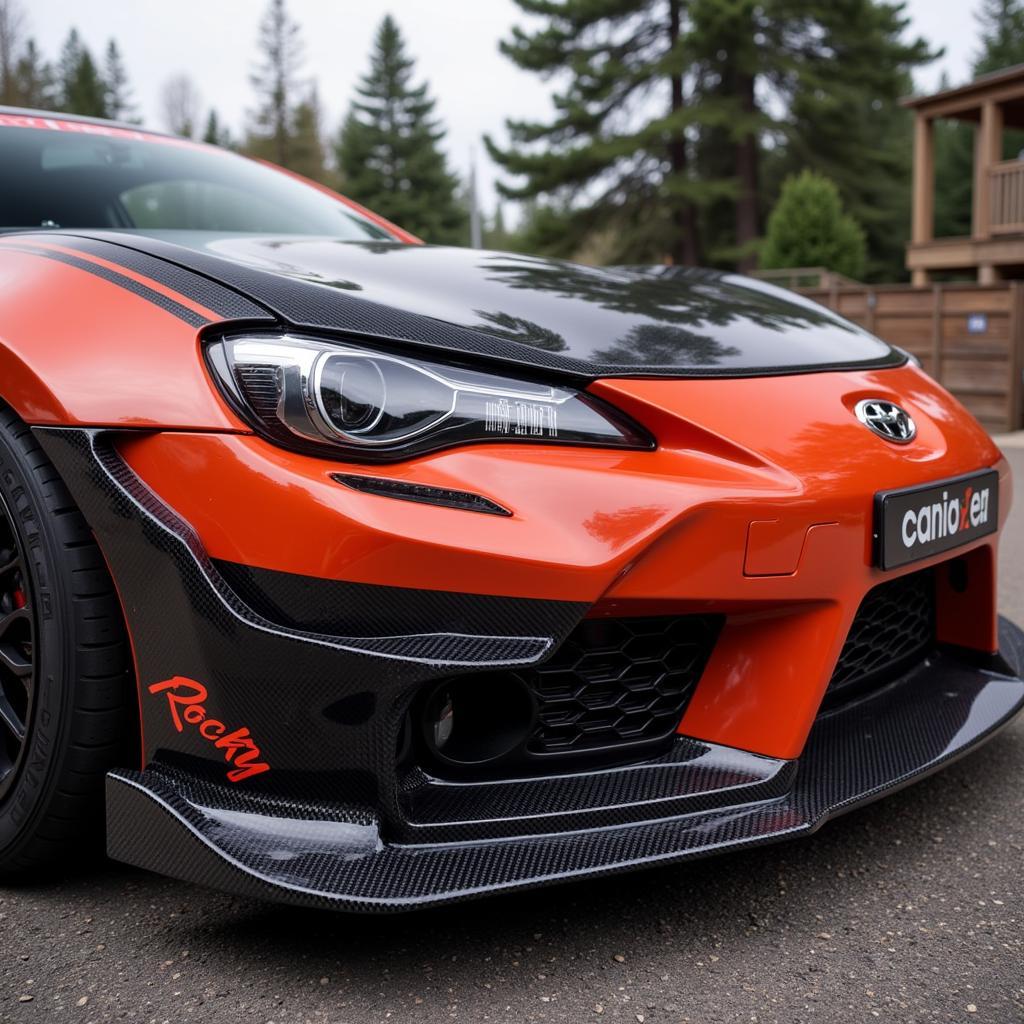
(675, 534)
(738, 510)
(77, 349)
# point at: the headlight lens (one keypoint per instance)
(380, 407)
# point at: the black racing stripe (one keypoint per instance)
(319, 306)
(214, 296)
(169, 305)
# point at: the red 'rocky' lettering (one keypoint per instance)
(186, 700)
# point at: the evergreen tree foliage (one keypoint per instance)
(496, 233)
(119, 101)
(737, 45)
(78, 85)
(81, 88)
(808, 228)
(1001, 24)
(531, 233)
(389, 150)
(954, 178)
(1001, 31)
(846, 123)
(215, 133)
(272, 132)
(308, 156)
(954, 174)
(12, 21)
(33, 80)
(611, 156)
(26, 80)
(669, 108)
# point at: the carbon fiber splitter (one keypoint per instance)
(364, 837)
(210, 835)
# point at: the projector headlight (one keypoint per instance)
(375, 406)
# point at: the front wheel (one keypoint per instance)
(67, 711)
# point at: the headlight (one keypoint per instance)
(376, 406)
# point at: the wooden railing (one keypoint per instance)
(1006, 183)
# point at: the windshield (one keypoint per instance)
(90, 176)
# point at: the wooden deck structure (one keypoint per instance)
(995, 249)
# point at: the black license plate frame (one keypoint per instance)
(912, 524)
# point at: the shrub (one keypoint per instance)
(808, 228)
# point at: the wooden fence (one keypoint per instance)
(969, 337)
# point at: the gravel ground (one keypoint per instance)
(911, 909)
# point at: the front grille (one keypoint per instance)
(618, 682)
(894, 628)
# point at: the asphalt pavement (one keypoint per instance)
(911, 909)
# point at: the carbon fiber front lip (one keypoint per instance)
(332, 824)
(286, 852)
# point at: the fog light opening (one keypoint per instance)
(476, 719)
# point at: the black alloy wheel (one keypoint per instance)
(68, 706)
(17, 652)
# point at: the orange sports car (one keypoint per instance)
(344, 570)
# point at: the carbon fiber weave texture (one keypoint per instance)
(934, 714)
(216, 297)
(325, 710)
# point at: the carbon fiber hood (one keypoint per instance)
(584, 321)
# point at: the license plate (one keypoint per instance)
(919, 522)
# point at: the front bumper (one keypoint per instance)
(333, 823)
(171, 823)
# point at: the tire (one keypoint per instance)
(75, 703)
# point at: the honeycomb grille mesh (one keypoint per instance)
(893, 628)
(619, 681)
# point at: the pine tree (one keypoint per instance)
(613, 155)
(670, 107)
(1001, 24)
(389, 147)
(118, 95)
(34, 82)
(81, 88)
(954, 174)
(12, 20)
(496, 234)
(308, 156)
(1001, 29)
(272, 132)
(808, 228)
(822, 78)
(846, 123)
(731, 41)
(67, 63)
(215, 133)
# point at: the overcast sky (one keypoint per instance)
(454, 42)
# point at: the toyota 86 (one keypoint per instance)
(349, 571)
